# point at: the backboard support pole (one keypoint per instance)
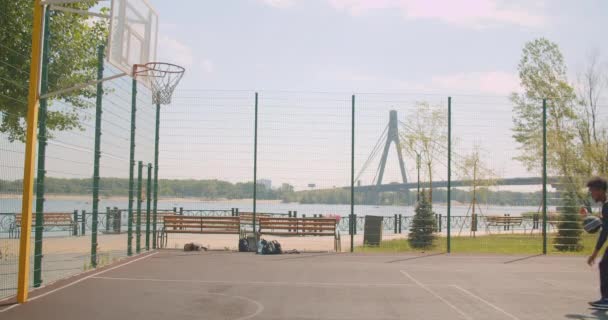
(81, 12)
(81, 86)
(30, 153)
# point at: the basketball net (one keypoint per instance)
(162, 77)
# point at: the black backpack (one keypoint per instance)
(267, 247)
(243, 245)
(277, 247)
(271, 247)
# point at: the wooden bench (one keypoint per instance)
(159, 217)
(503, 221)
(198, 225)
(301, 227)
(50, 219)
(246, 218)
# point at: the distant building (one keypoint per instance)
(266, 182)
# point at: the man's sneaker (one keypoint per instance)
(602, 303)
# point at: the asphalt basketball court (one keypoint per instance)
(226, 285)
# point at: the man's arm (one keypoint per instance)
(603, 235)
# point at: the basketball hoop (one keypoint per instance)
(162, 78)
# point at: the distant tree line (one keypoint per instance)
(217, 189)
(203, 189)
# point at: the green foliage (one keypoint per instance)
(423, 226)
(73, 42)
(542, 73)
(569, 226)
(217, 189)
(201, 189)
(426, 125)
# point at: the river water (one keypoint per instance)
(69, 205)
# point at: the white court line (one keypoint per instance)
(464, 315)
(265, 283)
(260, 307)
(485, 301)
(78, 281)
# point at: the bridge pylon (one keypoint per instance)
(392, 137)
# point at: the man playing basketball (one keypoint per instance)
(597, 189)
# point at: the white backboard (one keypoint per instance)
(133, 34)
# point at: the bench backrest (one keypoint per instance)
(159, 216)
(504, 220)
(298, 226)
(247, 217)
(51, 218)
(194, 224)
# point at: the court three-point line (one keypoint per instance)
(427, 289)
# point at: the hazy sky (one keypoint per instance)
(370, 45)
(467, 49)
(306, 58)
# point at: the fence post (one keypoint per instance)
(132, 167)
(156, 151)
(97, 155)
(148, 201)
(83, 222)
(117, 216)
(440, 222)
(39, 222)
(400, 222)
(108, 219)
(436, 222)
(255, 165)
(352, 175)
(181, 211)
(474, 222)
(395, 223)
(140, 166)
(23, 281)
(449, 222)
(544, 176)
(75, 218)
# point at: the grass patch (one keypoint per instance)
(500, 243)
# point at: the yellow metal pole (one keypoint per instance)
(30, 154)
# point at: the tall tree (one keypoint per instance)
(73, 60)
(472, 169)
(542, 73)
(425, 134)
(591, 85)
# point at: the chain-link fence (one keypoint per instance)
(314, 171)
(83, 190)
(14, 58)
